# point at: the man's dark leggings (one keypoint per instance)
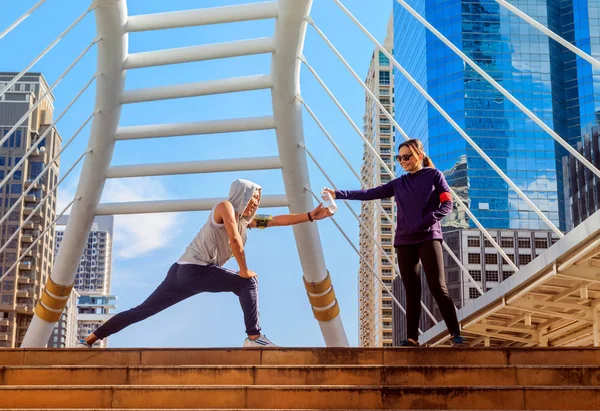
(184, 281)
(410, 258)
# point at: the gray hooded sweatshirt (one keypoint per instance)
(211, 244)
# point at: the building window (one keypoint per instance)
(473, 242)
(384, 78)
(454, 293)
(491, 258)
(524, 242)
(507, 242)
(506, 274)
(474, 258)
(453, 276)
(524, 259)
(491, 276)
(385, 129)
(541, 243)
(487, 242)
(476, 274)
(473, 293)
(383, 60)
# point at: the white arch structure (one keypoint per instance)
(113, 26)
(553, 301)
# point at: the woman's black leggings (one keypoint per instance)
(410, 258)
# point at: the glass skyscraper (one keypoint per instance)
(560, 88)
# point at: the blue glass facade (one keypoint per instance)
(550, 81)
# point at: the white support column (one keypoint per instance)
(111, 16)
(290, 32)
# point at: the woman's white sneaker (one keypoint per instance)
(262, 341)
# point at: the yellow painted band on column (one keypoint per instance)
(322, 300)
(53, 302)
(57, 289)
(318, 288)
(45, 314)
(328, 314)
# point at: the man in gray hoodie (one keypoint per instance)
(200, 268)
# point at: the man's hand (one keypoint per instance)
(320, 212)
(248, 274)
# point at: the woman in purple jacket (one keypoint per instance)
(422, 199)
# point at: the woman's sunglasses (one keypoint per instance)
(404, 157)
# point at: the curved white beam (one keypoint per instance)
(194, 167)
(202, 17)
(199, 53)
(290, 32)
(172, 206)
(202, 88)
(197, 127)
(111, 16)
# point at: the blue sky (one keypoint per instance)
(146, 245)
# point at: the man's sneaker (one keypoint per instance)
(408, 343)
(83, 344)
(262, 341)
(459, 341)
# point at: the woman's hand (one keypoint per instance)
(330, 191)
(320, 212)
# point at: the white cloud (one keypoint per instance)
(139, 234)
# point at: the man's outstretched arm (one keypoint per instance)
(318, 213)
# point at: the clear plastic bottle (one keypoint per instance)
(328, 201)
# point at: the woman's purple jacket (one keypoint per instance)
(422, 200)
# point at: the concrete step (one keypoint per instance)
(303, 356)
(298, 397)
(397, 375)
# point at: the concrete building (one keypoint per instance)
(375, 305)
(21, 288)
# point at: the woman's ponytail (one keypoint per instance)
(427, 162)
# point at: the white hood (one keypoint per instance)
(240, 193)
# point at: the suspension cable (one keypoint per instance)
(43, 136)
(46, 50)
(37, 208)
(21, 19)
(549, 33)
(46, 94)
(43, 172)
(51, 225)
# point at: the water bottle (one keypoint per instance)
(328, 201)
